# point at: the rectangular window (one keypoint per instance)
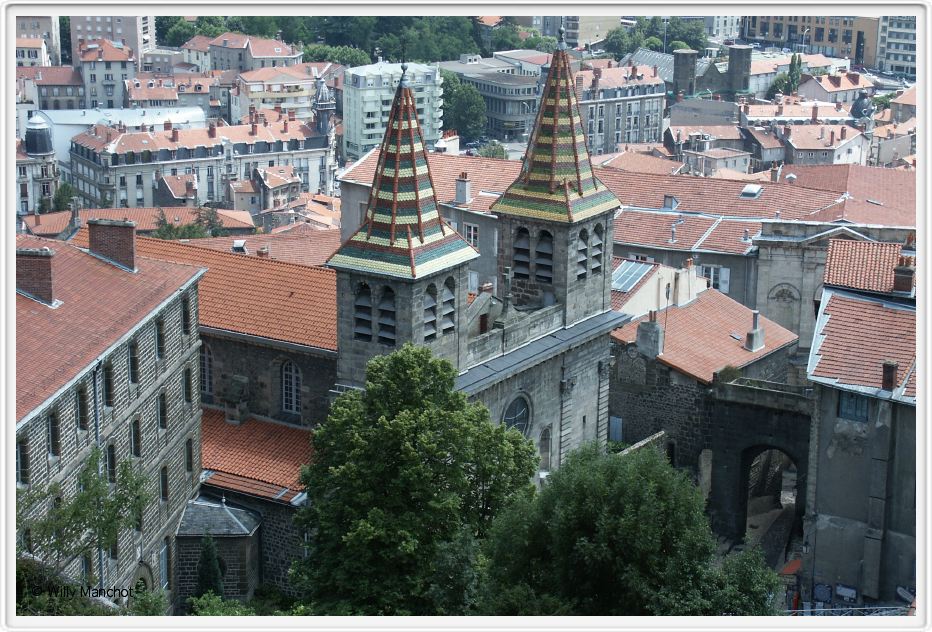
(135, 437)
(108, 384)
(718, 276)
(185, 316)
(852, 406)
(133, 362)
(643, 258)
(186, 385)
(472, 234)
(53, 434)
(82, 406)
(162, 412)
(163, 484)
(189, 456)
(159, 339)
(111, 463)
(22, 462)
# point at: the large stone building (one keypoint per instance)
(537, 354)
(367, 100)
(123, 166)
(32, 51)
(105, 66)
(36, 169)
(290, 88)
(45, 27)
(236, 51)
(136, 32)
(861, 529)
(127, 385)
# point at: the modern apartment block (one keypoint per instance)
(896, 45)
(580, 29)
(133, 31)
(128, 386)
(124, 167)
(722, 26)
(367, 100)
(105, 66)
(835, 36)
(42, 27)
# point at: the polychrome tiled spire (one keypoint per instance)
(556, 181)
(403, 234)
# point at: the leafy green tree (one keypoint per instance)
(209, 576)
(505, 38)
(62, 528)
(205, 226)
(677, 45)
(653, 43)
(543, 44)
(463, 107)
(794, 73)
(614, 535)
(211, 605)
(207, 218)
(493, 150)
(403, 475)
(105, 201)
(163, 23)
(260, 25)
(211, 25)
(62, 198)
(344, 55)
(147, 603)
(781, 84)
(179, 33)
(882, 102)
(64, 28)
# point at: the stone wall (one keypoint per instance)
(238, 556)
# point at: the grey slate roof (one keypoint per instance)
(663, 61)
(202, 516)
(483, 375)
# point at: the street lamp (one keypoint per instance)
(665, 22)
(805, 48)
(527, 121)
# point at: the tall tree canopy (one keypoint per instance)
(463, 107)
(616, 535)
(404, 477)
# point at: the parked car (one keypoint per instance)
(473, 145)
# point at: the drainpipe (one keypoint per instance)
(100, 552)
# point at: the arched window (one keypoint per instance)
(291, 387)
(522, 256)
(517, 415)
(543, 257)
(362, 312)
(544, 447)
(582, 256)
(595, 249)
(387, 317)
(207, 370)
(430, 313)
(448, 306)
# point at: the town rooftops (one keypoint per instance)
(202, 517)
(257, 458)
(258, 46)
(800, 111)
(907, 98)
(144, 92)
(302, 247)
(130, 117)
(180, 185)
(686, 231)
(617, 77)
(200, 43)
(29, 42)
(855, 335)
(629, 276)
(896, 129)
(638, 162)
(764, 137)
(50, 75)
(279, 176)
(255, 296)
(104, 50)
(717, 132)
(864, 265)
(299, 72)
(663, 61)
(839, 81)
(100, 304)
(145, 218)
(820, 137)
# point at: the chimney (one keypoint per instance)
(780, 110)
(75, 217)
(462, 189)
(278, 108)
(787, 130)
(889, 375)
(34, 273)
(285, 126)
(212, 131)
(855, 77)
(903, 275)
(649, 337)
(252, 111)
(774, 173)
(747, 108)
(263, 252)
(838, 106)
(755, 338)
(253, 129)
(815, 113)
(844, 131)
(189, 188)
(291, 115)
(655, 71)
(175, 135)
(167, 125)
(679, 96)
(688, 264)
(832, 139)
(114, 240)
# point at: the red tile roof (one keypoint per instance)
(29, 42)
(639, 162)
(99, 304)
(862, 265)
(307, 247)
(51, 75)
(655, 229)
(489, 20)
(258, 458)
(619, 77)
(728, 236)
(303, 72)
(820, 136)
(907, 98)
(145, 93)
(896, 129)
(199, 43)
(145, 218)
(855, 335)
(104, 50)
(712, 318)
(795, 110)
(256, 296)
(278, 176)
(764, 138)
(718, 132)
(841, 81)
(178, 185)
(259, 46)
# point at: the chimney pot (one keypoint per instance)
(649, 337)
(263, 251)
(291, 115)
(175, 135)
(212, 131)
(114, 240)
(832, 139)
(844, 131)
(655, 71)
(755, 338)
(889, 375)
(254, 129)
(903, 275)
(34, 273)
(167, 125)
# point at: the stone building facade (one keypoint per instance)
(134, 397)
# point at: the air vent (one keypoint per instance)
(751, 192)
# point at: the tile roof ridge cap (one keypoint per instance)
(213, 251)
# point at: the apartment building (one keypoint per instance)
(235, 51)
(162, 60)
(122, 167)
(824, 144)
(155, 90)
(620, 105)
(127, 386)
(849, 36)
(367, 100)
(290, 87)
(722, 27)
(51, 87)
(197, 52)
(842, 87)
(32, 51)
(896, 45)
(105, 66)
(36, 168)
(43, 27)
(581, 30)
(133, 31)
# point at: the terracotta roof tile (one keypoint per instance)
(862, 265)
(29, 42)
(104, 50)
(308, 247)
(895, 129)
(728, 235)
(647, 228)
(820, 136)
(764, 138)
(855, 335)
(907, 98)
(795, 111)
(178, 185)
(489, 20)
(717, 132)
(619, 77)
(841, 81)
(712, 318)
(199, 43)
(145, 218)
(99, 301)
(639, 162)
(278, 176)
(266, 452)
(145, 93)
(252, 487)
(256, 296)
(51, 75)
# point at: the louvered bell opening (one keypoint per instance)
(430, 315)
(523, 241)
(362, 329)
(363, 300)
(522, 256)
(387, 304)
(521, 270)
(544, 260)
(545, 246)
(430, 330)
(446, 323)
(544, 275)
(363, 312)
(429, 302)
(386, 319)
(446, 295)
(387, 336)
(581, 257)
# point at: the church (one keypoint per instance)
(537, 355)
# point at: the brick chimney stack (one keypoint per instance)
(167, 125)
(844, 131)
(655, 71)
(212, 131)
(890, 368)
(114, 240)
(253, 129)
(291, 115)
(903, 275)
(832, 139)
(175, 134)
(815, 113)
(34, 273)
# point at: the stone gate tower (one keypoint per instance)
(402, 277)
